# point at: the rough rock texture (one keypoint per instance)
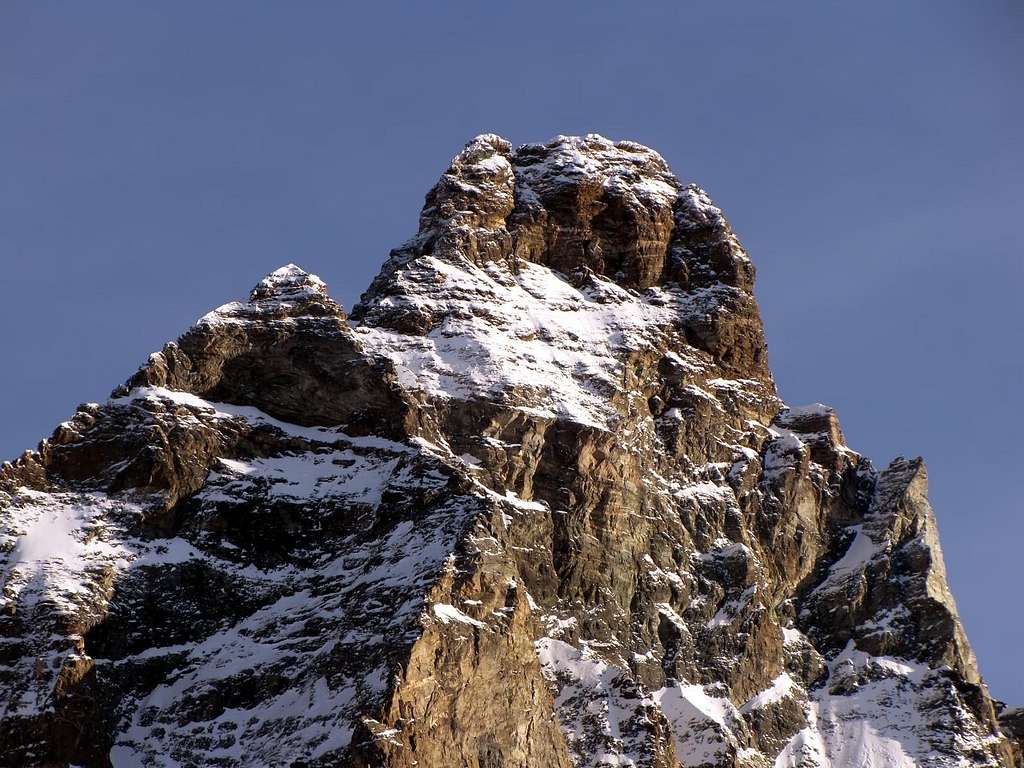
(1012, 723)
(537, 503)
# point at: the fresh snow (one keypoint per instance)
(341, 474)
(881, 721)
(59, 547)
(446, 613)
(860, 552)
(703, 724)
(599, 722)
(781, 687)
(530, 332)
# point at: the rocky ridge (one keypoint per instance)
(535, 503)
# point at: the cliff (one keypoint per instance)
(535, 503)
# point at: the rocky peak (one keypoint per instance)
(289, 280)
(288, 350)
(549, 235)
(287, 292)
(581, 203)
(475, 193)
(537, 504)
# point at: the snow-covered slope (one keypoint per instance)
(537, 503)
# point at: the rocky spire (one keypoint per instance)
(592, 211)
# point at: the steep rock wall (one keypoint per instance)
(536, 503)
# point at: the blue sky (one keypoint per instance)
(159, 158)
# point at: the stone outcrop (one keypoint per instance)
(535, 503)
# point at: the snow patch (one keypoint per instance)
(446, 613)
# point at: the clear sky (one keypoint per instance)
(156, 159)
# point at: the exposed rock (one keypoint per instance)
(288, 351)
(1012, 723)
(537, 503)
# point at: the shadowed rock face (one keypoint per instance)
(288, 351)
(536, 503)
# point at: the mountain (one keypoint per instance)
(535, 503)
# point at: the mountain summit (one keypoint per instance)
(535, 504)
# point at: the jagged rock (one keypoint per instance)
(288, 351)
(536, 503)
(1012, 723)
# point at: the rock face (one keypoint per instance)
(536, 503)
